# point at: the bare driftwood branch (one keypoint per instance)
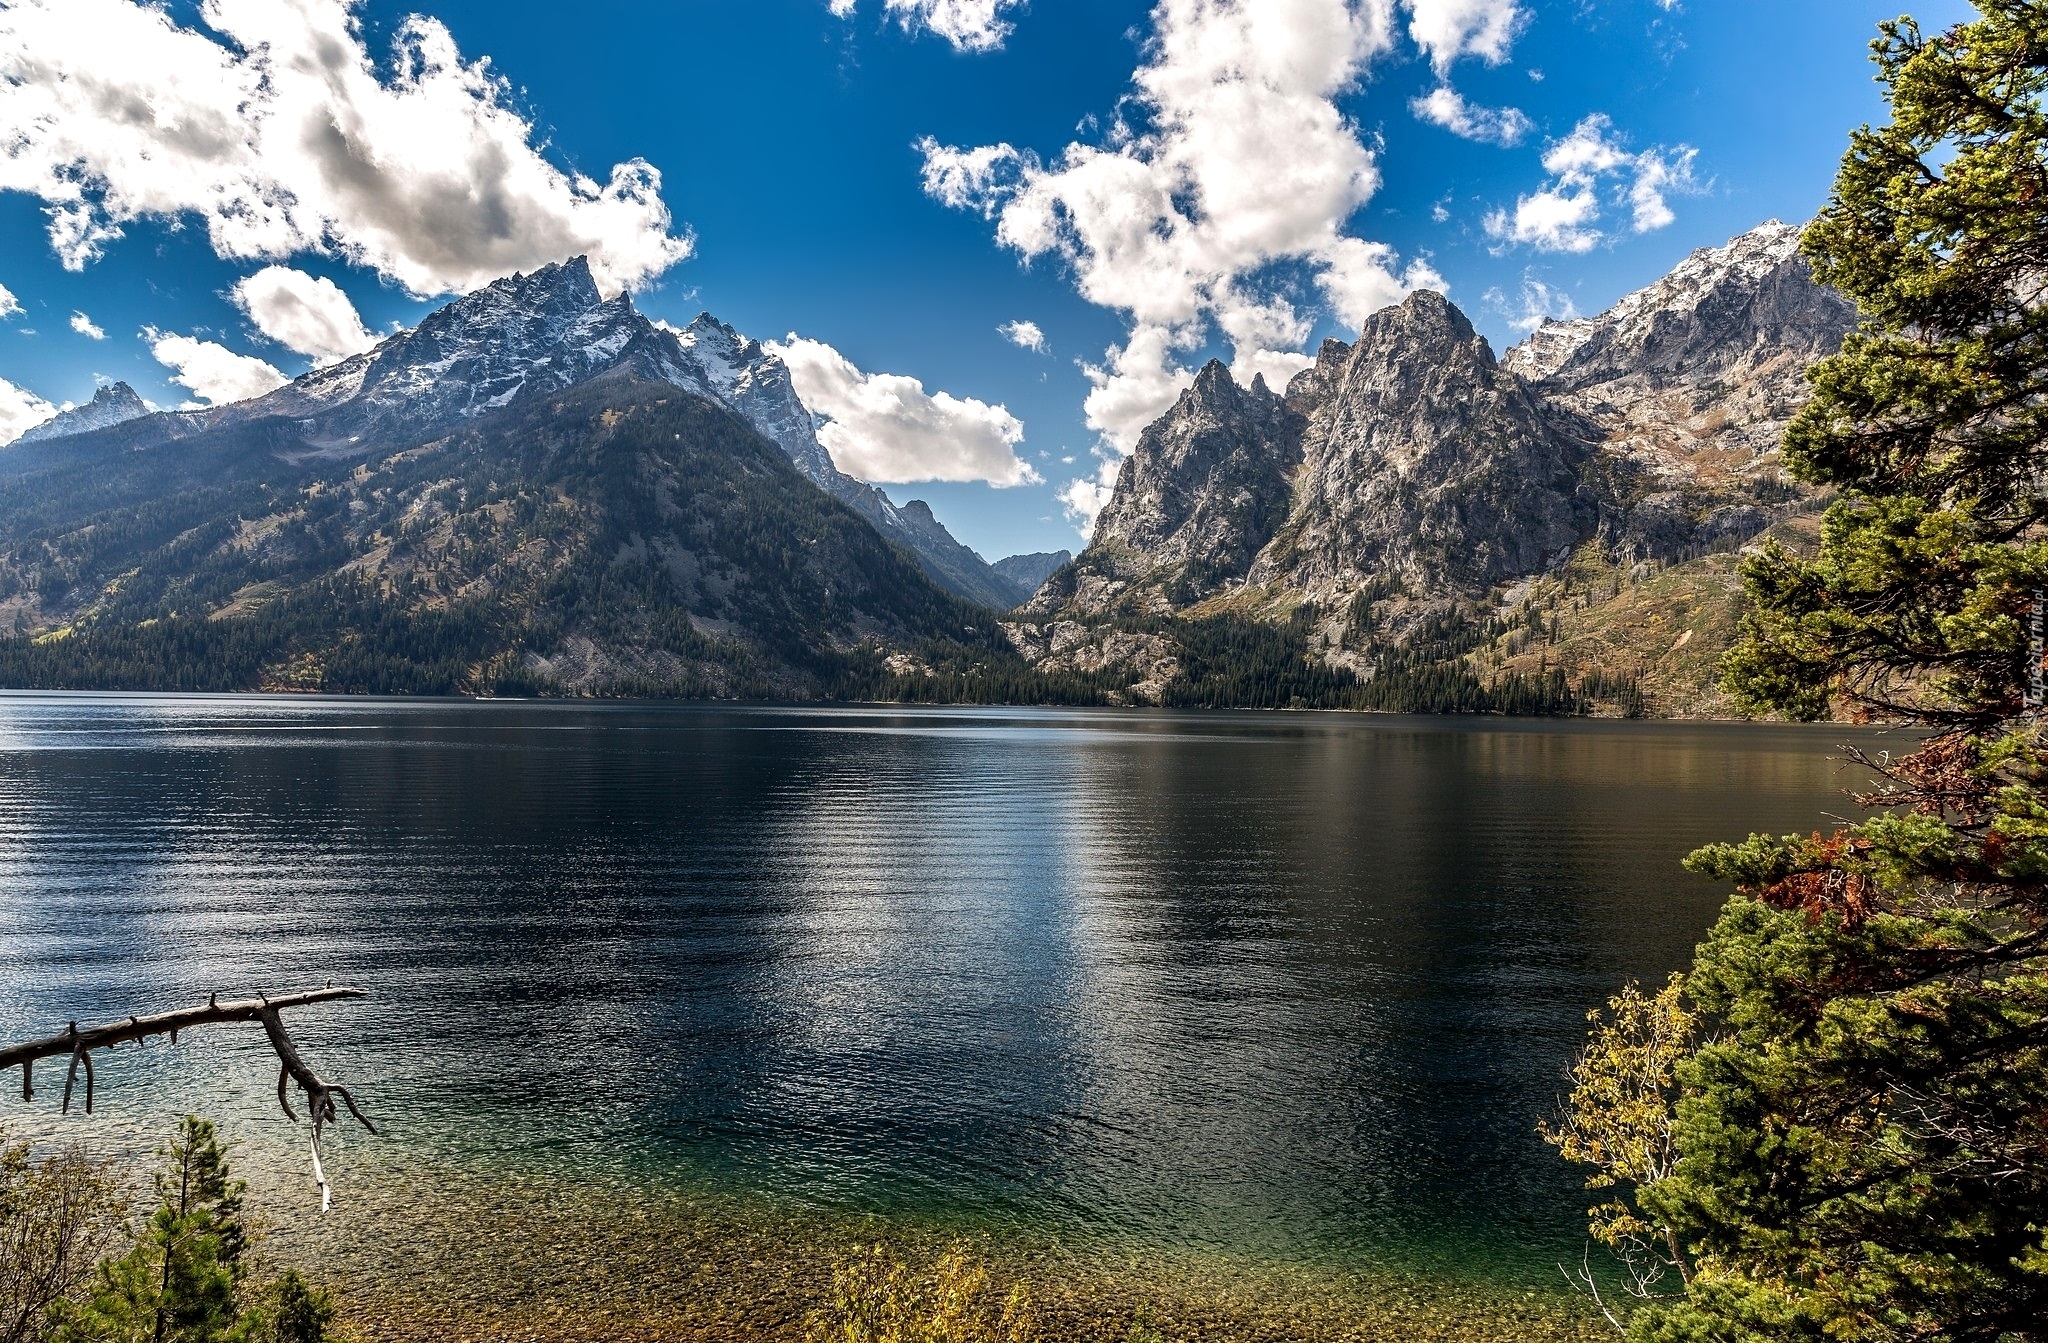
(77, 1046)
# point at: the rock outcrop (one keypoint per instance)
(1411, 471)
(1206, 488)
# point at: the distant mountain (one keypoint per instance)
(551, 330)
(1391, 530)
(617, 537)
(1026, 572)
(111, 405)
(535, 489)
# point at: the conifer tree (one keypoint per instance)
(179, 1283)
(1861, 1143)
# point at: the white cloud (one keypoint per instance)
(20, 411)
(86, 327)
(886, 427)
(1360, 280)
(9, 305)
(1208, 213)
(1554, 219)
(1134, 385)
(1084, 499)
(213, 373)
(1448, 29)
(1564, 214)
(281, 137)
(1533, 305)
(1024, 335)
(307, 314)
(1447, 108)
(1656, 174)
(970, 25)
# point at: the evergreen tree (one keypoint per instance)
(180, 1282)
(1862, 1142)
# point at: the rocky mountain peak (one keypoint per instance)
(545, 331)
(1691, 380)
(1424, 325)
(1421, 460)
(551, 330)
(1719, 302)
(1424, 332)
(112, 404)
(1205, 487)
(564, 288)
(1215, 393)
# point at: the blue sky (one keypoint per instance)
(823, 167)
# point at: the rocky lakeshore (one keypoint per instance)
(435, 1254)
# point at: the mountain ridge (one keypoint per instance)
(550, 329)
(488, 503)
(618, 536)
(114, 403)
(1429, 493)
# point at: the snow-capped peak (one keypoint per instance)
(113, 404)
(725, 356)
(1744, 262)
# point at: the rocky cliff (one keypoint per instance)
(1409, 497)
(1205, 489)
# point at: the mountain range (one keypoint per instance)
(1415, 509)
(540, 490)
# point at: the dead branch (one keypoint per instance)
(77, 1045)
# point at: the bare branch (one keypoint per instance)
(320, 1096)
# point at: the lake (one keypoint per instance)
(1290, 989)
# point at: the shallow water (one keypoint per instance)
(1290, 988)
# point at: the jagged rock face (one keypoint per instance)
(1424, 460)
(109, 406)
(526, 334)
(1693, 379)
(757, 385)
(1206, 487)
